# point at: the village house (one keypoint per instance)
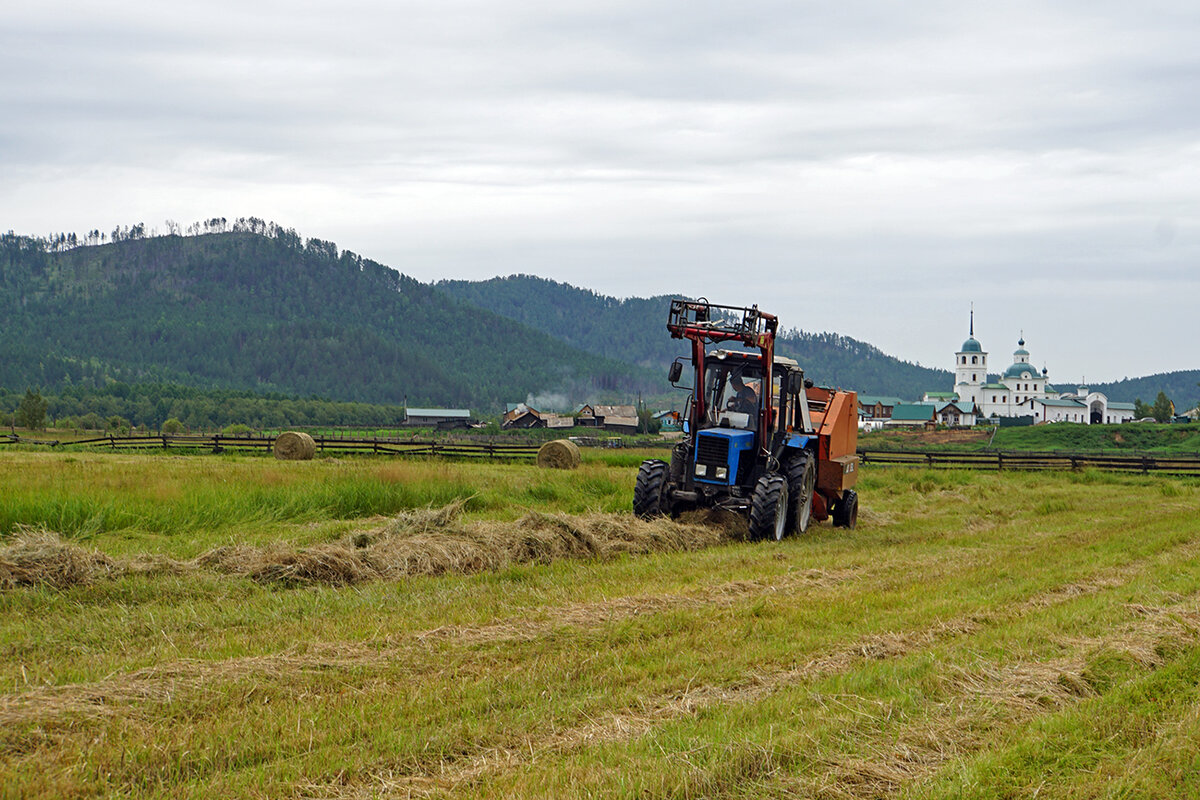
(519, 415)
(877, 407)
(441, 418)
(619, 419)
(912, 415)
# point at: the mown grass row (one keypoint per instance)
(979, 635)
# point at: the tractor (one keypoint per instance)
(759, 439)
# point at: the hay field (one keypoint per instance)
(237, 626)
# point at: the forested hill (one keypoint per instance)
(1182, 387)
(271, 313)
(634, 330)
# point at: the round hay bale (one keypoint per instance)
(294, 446)
(559, 454)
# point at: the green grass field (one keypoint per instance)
(979, 635)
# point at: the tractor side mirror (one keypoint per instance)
(796, 383)
(675, 371)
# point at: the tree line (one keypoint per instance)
(174, 408)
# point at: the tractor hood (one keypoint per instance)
(718, 454)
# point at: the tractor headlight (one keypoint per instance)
(701, 470)
(722, 473)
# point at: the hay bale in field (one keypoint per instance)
(38, 556)
(559, 454)
(295, 446)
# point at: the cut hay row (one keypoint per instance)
(971, 695)
(423, 542)
(41, 558)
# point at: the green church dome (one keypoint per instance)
(971, 346)
(1020, 370)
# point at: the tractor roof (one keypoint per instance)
(745, 355)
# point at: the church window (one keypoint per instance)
(974, 359)
(973, 377)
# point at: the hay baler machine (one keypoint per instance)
(759, 438)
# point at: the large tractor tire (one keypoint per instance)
(769, 508)
(649, 491)
(802, 482)
(845, 513)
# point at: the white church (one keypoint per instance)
(1021, 391)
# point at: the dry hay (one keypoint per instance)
(734, 525)
(40, 557)
(430, 541)
(295, 446)
(412, 546)
(435, 541)
(559, 454)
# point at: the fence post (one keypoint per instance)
(999, 462)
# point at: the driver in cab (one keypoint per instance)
(745, 396)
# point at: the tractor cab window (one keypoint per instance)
(733, 393)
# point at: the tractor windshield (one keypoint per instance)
(733, 392)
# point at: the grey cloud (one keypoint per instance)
(926, 149)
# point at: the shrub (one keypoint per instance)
(91, 422)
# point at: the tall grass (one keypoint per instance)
(82, 497)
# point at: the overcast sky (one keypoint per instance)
(864, 168)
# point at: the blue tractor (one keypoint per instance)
(759, 439)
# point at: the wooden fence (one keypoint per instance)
(219, 442)
(982, 460)
(1141, 462)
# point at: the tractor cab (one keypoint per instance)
(733, 386)
(742, 419)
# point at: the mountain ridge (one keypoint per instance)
(259, 308)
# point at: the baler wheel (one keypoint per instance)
(845, 513)
(769, 508)
(648, 491)
(802, 482)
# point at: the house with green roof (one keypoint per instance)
(876, 406)
(912, 415)
(956, 414)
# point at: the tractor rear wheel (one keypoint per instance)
(769, 508)
(649, 491)
(802, 482)
(845, 513)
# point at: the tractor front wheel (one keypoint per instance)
(769, 508)
(648, 492)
